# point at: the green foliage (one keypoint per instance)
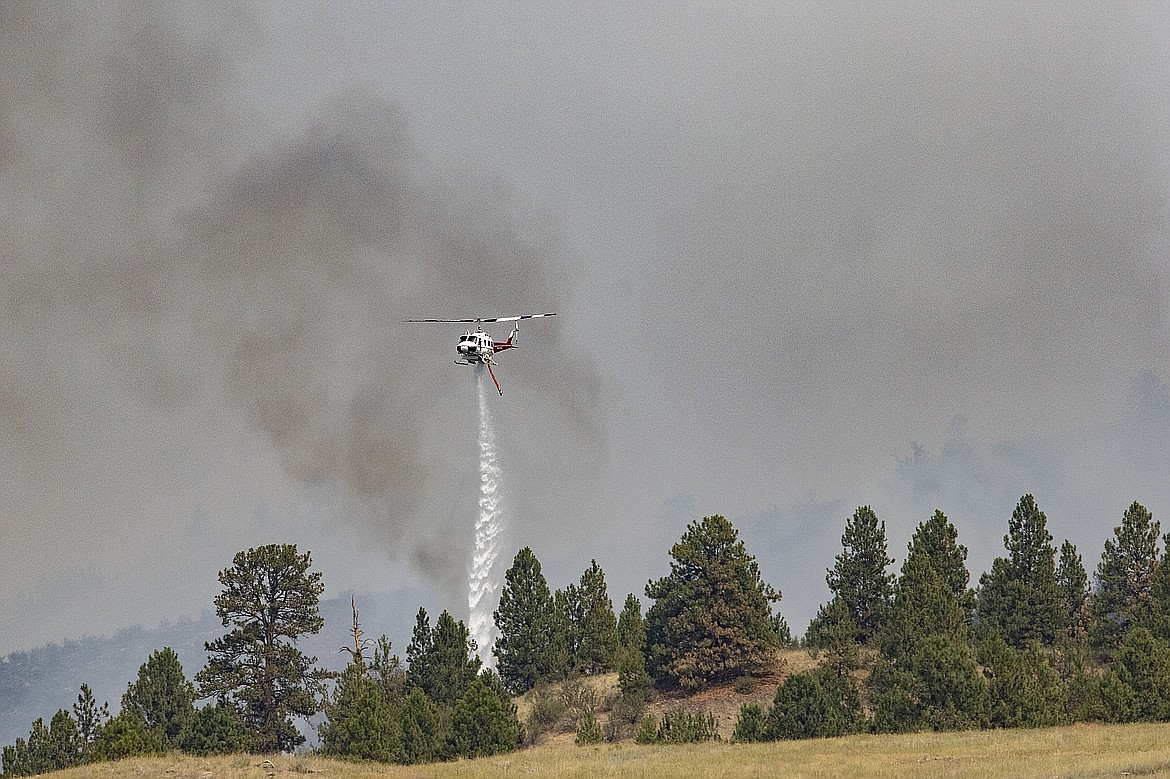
(858, 578)
(530, 647)
(750, 725)
(1125, 580)
(442, 662)
(126, 735)
(1024, 690)
(934, 685)
(1142, 666)
(631, 626)
(633, 679)
(1073, 583)
(423, 730)
(217, 729)
(647, 731)
(363, 721)
(711, 619)
(931, 594)
(89, 717)
(484, 721)
(591, 627)
(270, 600)
(834, 631)
(1019, 596)
(814, 704)
(161, 696)
(588, 731)
(679, 726)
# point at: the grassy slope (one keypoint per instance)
(1076, 751)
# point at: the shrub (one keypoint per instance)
(588, 730)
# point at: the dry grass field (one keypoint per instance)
(1076, 751)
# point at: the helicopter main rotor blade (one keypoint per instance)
(486, 319)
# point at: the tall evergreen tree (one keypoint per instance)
(89, 717)
(1073, 583)
(931, 595)
(1125, 579)
(270, 600)
(711, 619)
(592, 626)
(161, 696)
(442, 662)
(1019, 597)
(530, 647)
(858, 576)
(631, 626)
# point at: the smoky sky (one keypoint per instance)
(804, 258)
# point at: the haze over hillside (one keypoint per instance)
(804, 257)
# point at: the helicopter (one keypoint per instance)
(478, 348)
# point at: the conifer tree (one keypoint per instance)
(161, 696)
(270, 600)
(711, 619)
(1019, 597)
(1073, 582)
(631, 626)
(592, 626)
(442, 662)
(1125, 579)
(530, 647)
(89, 717)
(484, 721)
(931, 594)
(859, 576)
(1024, 690)
(820, 703)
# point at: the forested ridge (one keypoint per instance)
(901, 645)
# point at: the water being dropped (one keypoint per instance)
(484, 586)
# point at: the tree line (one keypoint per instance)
(1034, 643)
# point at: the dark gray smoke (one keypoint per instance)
(178, 269)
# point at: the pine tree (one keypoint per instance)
(423, 730)
(592, 626)
(529, 648)
(631, 626)
(1024, 690)
(814, 704)
(931, 594)
(362, 722)
(935, 685)
(216, 729)
(270, 600)
(89, 717)
(484, 721)
(859, 576)
(1141, 667)
(1019, 596)
(1073, 583)
(441, 662)
(161, 696)
(1125, 579)
(711, 619)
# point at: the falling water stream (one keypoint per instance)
(484, 585)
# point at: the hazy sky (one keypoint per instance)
(804, 257)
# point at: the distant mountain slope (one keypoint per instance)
(37, 682)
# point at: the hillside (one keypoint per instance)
(1073, 751)
(37, 682)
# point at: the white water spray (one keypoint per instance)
(484, 589)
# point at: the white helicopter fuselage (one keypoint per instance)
(478, 347)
